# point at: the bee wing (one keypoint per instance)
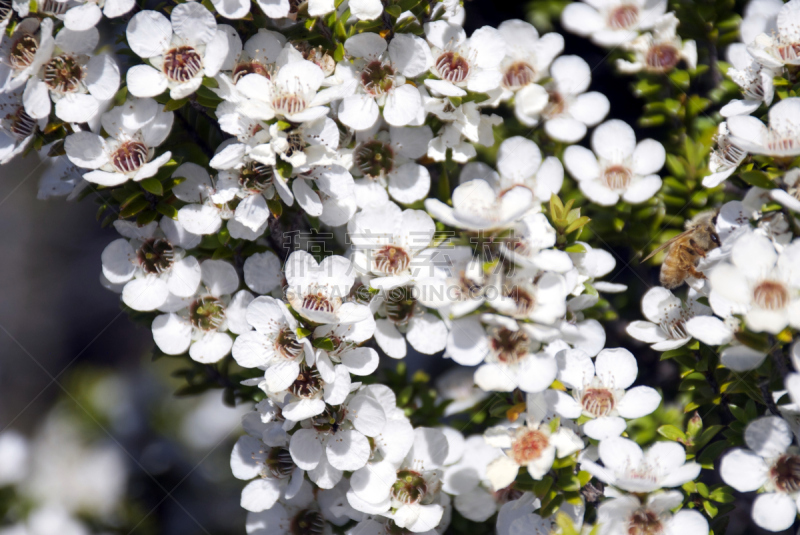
(667, 244)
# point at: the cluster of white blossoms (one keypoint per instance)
(307, 200)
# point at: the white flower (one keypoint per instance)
(199, 324)
(403, 318)
(668, 316)
(17, 128)
(262, 272)
(761, 283)
(610, 23)
(388, 242)
(531, 294)
(366, 9)
(626, 467)
(467, 480)
(284, 517)
(14, 457)
(151, 263)
(510, 351)
(135, 128)
(759, 17)
(479, 206)
(345, 348)
(385, 162)
(725, 158)
(312, 143)
(661, 50)
(462, 63)
(274, 345)
(181, 50)
(465, 126)
(317, 291)
(457, 285)
(775, 50)
(590, 265)
(87, 13)
(291, 93)
(337, 440)
(628, 514)
(377, 78)
(534, 445)
(768, 464)
(519, 162)
(789, 195)
(334, 200)
(752, 77)
(563, 103)
(600, 391)
(457, 385)
(517, 516)
(81, 87)
(406, 491)
(263, 456)
(25, 51)
(780, 139)
(258, 56)
(619, 166)
(528, 56)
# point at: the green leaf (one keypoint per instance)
(672, 433)
(173, 105)
(323, 343)
(722, 495)
(303, 333)
(577, 224)
(712, 452)
(576, 248)
(167, 210)
(758, 179)
(153, 185)
(134, 207)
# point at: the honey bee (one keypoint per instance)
(686, 249)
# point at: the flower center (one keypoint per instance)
(63, 74)
(129, 157)
(53, 7)
(288, 104)
(644, 522)
(400, 305)
(374, 158)
(789, 52)
(771, 295)
(156, 255)
(617, 177)
(507, 494)
(452, 67)
(524, 301)
(329, 421)
(785, 473)
(21, 124)
(623, 17)
(6, 9)
(320, 57)
(256, 177)
(377, 78)
(509, 346)
(517, 75)
(662, 57)
(249, 67)
(778, 142)
(555, 105)
(287, 345)
(729, 154)
(307, 522)
(528, 446)
(183, 63)
(279, 463)
(318, 302)
(23, 51)
(307, 384)
(598, 401)
(207, 313)
(410, 487)
(296, 143)
(391, 260)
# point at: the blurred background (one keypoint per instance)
(92, 439)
